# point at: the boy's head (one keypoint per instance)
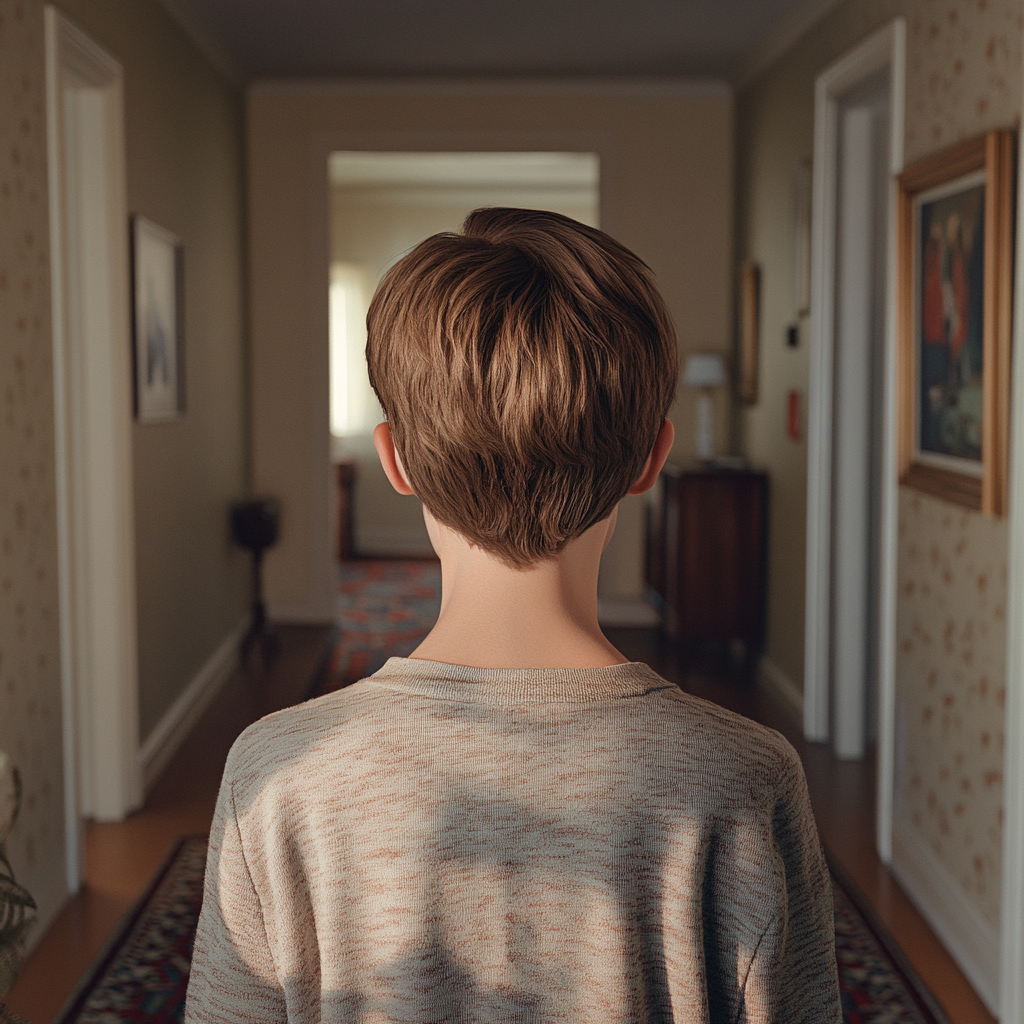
(525, 366)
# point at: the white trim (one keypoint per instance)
(883, 49)
(318, 603)
(92, 389)
(443, 86)
(180, 718)
(1011, 991)
(886, 742)
(781, 688)
(973, 941)
(627, 612)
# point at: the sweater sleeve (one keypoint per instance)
(793, 975)
(233, 977)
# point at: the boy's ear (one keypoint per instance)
(390, 459)
(659, 453)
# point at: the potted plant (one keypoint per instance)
(17, 908)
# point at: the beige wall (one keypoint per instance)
(30, 718)
(666, 192)
(963, 78)
(184, 146)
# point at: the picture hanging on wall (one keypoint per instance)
(954, 306)
(750, 327)
(158, 322)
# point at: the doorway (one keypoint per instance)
(92, 389)
(852, 488)
(381, 205)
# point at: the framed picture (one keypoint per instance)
(750, 326)
(158, 322)
(955, 224)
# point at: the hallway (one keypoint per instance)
(122, 857)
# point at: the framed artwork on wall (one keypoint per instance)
(750, 326)
(158, 322)
(955, 225)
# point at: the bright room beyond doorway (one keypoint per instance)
(382, 204)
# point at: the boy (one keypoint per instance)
(515, 823)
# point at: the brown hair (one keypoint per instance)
(525, 366)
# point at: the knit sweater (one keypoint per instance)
(444, 843)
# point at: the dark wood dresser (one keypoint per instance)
(706, 555)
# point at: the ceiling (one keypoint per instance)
(719, 39)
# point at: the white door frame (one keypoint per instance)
(1011, 944)
(886, 48)
(92, 409)
(321, 145)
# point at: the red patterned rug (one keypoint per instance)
(385, 609)
(142, 975)
(142, 972)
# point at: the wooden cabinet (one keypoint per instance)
(706, 554)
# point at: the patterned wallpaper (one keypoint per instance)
(951, 668)
(963, 70)
(30, 713)
(963, 78)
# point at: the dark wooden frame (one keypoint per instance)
(993, 153)
(141, 227)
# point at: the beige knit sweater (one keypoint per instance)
(442, 843)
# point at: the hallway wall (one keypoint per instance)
(666, 191)
(963, 78)
(184, 146)
(184, 170)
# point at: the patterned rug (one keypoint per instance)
(876, 981)
(385, 609)
(142, 972)
(142, 975)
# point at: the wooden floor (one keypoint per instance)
(121, 858)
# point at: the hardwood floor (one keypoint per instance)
(121, 858)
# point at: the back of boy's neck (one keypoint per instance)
(496, 617)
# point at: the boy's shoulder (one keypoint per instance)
(333, 732)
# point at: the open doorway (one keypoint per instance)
(382, 204)
(92, 400)
(851, 528)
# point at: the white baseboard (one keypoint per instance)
(777, 683)
(626, 612)
(177, 722)
(390, 543)
(971, 940)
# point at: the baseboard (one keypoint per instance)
(970, 939)
(177, 722)
(627, 612)
(785, 692)
(392, 543)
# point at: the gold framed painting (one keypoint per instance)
(750, 327)
(955, 232)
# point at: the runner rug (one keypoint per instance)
(142, 974)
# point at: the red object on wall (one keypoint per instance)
(793, 415)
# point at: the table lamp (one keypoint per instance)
(705, 370)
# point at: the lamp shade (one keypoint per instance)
(705, 370)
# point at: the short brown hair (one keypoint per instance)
(525, 366)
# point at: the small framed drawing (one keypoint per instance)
(955, 224)
(158, 321)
